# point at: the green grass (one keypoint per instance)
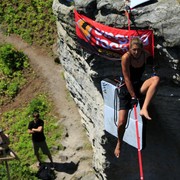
(33, 21)
(15, 123)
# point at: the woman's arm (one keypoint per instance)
(126, 73)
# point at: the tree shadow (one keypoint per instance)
(50, 174)
(68, 168)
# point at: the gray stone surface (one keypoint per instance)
(84, 71)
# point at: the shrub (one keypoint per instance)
(12, 64)
(12, 89)
(11, 60)
(3, 86)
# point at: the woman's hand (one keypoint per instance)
(134, 101)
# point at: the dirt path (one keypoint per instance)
(75, 160)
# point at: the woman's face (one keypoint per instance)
(135, 50)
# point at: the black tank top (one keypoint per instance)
(137, 72)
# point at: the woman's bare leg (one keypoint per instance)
(149, 87)
(121, 128)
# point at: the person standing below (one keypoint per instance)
(133, 66)
(36, 128)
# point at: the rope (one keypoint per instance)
(138, 144)
(128, 14)
(128, 11)
(127, 124)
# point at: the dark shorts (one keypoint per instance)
(41, 145)
(125, 97)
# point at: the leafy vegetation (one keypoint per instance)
(12, 65)
(15, 123)
(33, 21)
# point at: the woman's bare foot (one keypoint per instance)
(145, 113)
(117, 150)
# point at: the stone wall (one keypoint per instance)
(84, 71)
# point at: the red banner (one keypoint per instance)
(106, 41)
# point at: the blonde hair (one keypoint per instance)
(136, 41)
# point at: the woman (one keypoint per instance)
(133, 65)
